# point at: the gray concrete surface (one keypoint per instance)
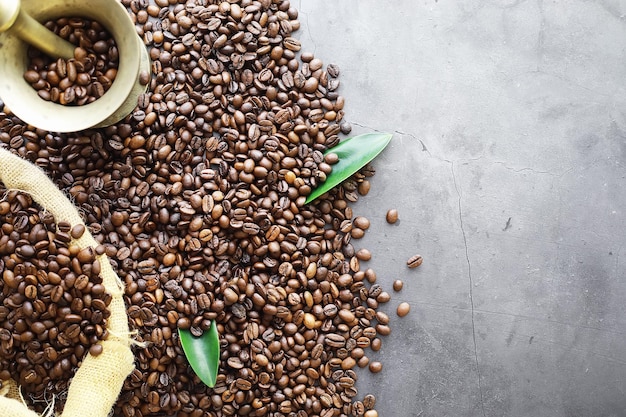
(507, 168)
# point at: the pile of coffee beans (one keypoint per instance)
(198, 199)
(80, 80)
(53, 306)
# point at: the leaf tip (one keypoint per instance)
(354, 153)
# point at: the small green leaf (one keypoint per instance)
(354, 153)
(203, 353)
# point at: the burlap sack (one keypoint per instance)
(97, 383)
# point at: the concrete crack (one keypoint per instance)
(424, 148)
(534, 171)
(471, 285)
(541, 36)
(365, 126)
(308, 27)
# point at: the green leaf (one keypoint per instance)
(203, 353)
(354, 153)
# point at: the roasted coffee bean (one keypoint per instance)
(95, 350)
(335, 340)
(31, 76)
(331, 158)
(414, 261)
(383, 297)
(333, 70)
(403, 309)
(397, 285)
(364, 254)
(383, 329)
(77, 231)
(361, 222)
(330, 310)
(30, 292)
(144, 77)
(375, 367)
(357, 233)
(375, 290)
(369, 402)
(392, 216)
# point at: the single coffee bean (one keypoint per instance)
(397, 285)
(56, 294)
(348, 363)
(77, 231)
(358, 408)
(364, 187)
(369, 401)
(30, 292)
(382, 317)
(331, 158)
(403, 309)
(376, 344)
(86, 255)
(375, 367)
(144, 77)
(383, 329)
(392, 216)
(383, 297)
(364, 254)
(10, 280)
(25, 251)
(333, 70)
(335, 340)
(230, 296)
(357, 233)
(414, 261)
(361, 222)
(31, 76)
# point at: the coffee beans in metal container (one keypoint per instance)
(82, 79)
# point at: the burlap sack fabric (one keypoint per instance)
(97, 383)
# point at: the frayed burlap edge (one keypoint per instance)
(98, 382)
